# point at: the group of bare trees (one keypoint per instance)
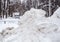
(4, 5)
(27, 5)
(40, 4)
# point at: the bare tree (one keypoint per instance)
(0, 7)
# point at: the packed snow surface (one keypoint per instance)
(34, 27)
(9, 22)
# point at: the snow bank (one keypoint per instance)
(33, 15)
(55, 18)
(35, 27)
(56, 13)
(36, 22)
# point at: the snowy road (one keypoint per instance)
(5, 23)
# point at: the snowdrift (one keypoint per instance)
(35, 27)
(56, 13)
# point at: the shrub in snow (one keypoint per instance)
(7, 31)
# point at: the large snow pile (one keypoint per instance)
(35, 27)
(35, 18)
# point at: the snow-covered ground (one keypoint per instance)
(9, 22)
(34, 27)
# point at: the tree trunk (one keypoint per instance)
(0, 7)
